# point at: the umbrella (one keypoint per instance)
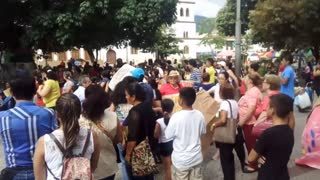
(269, 55)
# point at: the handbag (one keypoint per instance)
(142, 160)
(226, 134)
(259, 128)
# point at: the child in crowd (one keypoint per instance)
(165, 144)
(275, 144)
(205, 84)
(186, 128)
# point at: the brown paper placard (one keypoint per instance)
(209, 107)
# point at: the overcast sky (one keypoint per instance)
(208, 8)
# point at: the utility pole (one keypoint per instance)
(238, 39)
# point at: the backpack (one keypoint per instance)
(7, 103)
(74, 166)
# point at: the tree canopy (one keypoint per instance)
(287, 24)
(226, 18)
(56, 25)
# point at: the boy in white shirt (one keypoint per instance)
(186, 128)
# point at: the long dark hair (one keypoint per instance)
(118, 96)
(68, 108)
(167, 107)
(97, 100)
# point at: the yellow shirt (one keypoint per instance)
(212, 72)
(51, 98)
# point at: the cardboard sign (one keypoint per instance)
(175, 99)
(209, 107)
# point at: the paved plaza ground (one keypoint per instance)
(212, 169)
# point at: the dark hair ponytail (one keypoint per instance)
(167, 107)
(68, 108)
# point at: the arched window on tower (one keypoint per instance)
(181, 12)
(187, 34)
(186, 50)
(187, 12)
(184, 34)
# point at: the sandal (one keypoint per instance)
(247, 169)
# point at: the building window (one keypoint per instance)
(134, 50)
(181, 12)
(185, 34)
(187, 12)
(186, 50)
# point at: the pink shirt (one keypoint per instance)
(263, 106)
(252, 98)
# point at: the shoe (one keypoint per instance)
(248, 170)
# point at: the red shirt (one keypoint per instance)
(168, 89)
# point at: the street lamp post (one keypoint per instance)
(238, 39)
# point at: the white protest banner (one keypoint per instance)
(123, 72)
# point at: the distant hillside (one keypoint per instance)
(198, 20)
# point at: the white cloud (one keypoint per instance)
(208, 8)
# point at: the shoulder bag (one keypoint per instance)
(227, 133)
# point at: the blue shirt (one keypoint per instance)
(20, 128)
(288, 88)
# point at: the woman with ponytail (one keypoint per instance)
(48, 159)
(159, 133)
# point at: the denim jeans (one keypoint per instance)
(123, 163)
(24, 175)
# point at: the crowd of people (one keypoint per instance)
(66, 123)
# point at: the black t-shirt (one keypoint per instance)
(275, 144)
(141, 123)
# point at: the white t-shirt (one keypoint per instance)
(80, 93)
(186, 128)
(226, 107)
(163, 127)
(216, 90)
(160, 72)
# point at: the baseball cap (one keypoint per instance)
(137, 73)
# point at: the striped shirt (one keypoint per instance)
(196, 76)
(20, 128)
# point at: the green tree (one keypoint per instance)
(276, 23)
(211, 37)
(56, 25)
(166, 43)
(226, 18)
